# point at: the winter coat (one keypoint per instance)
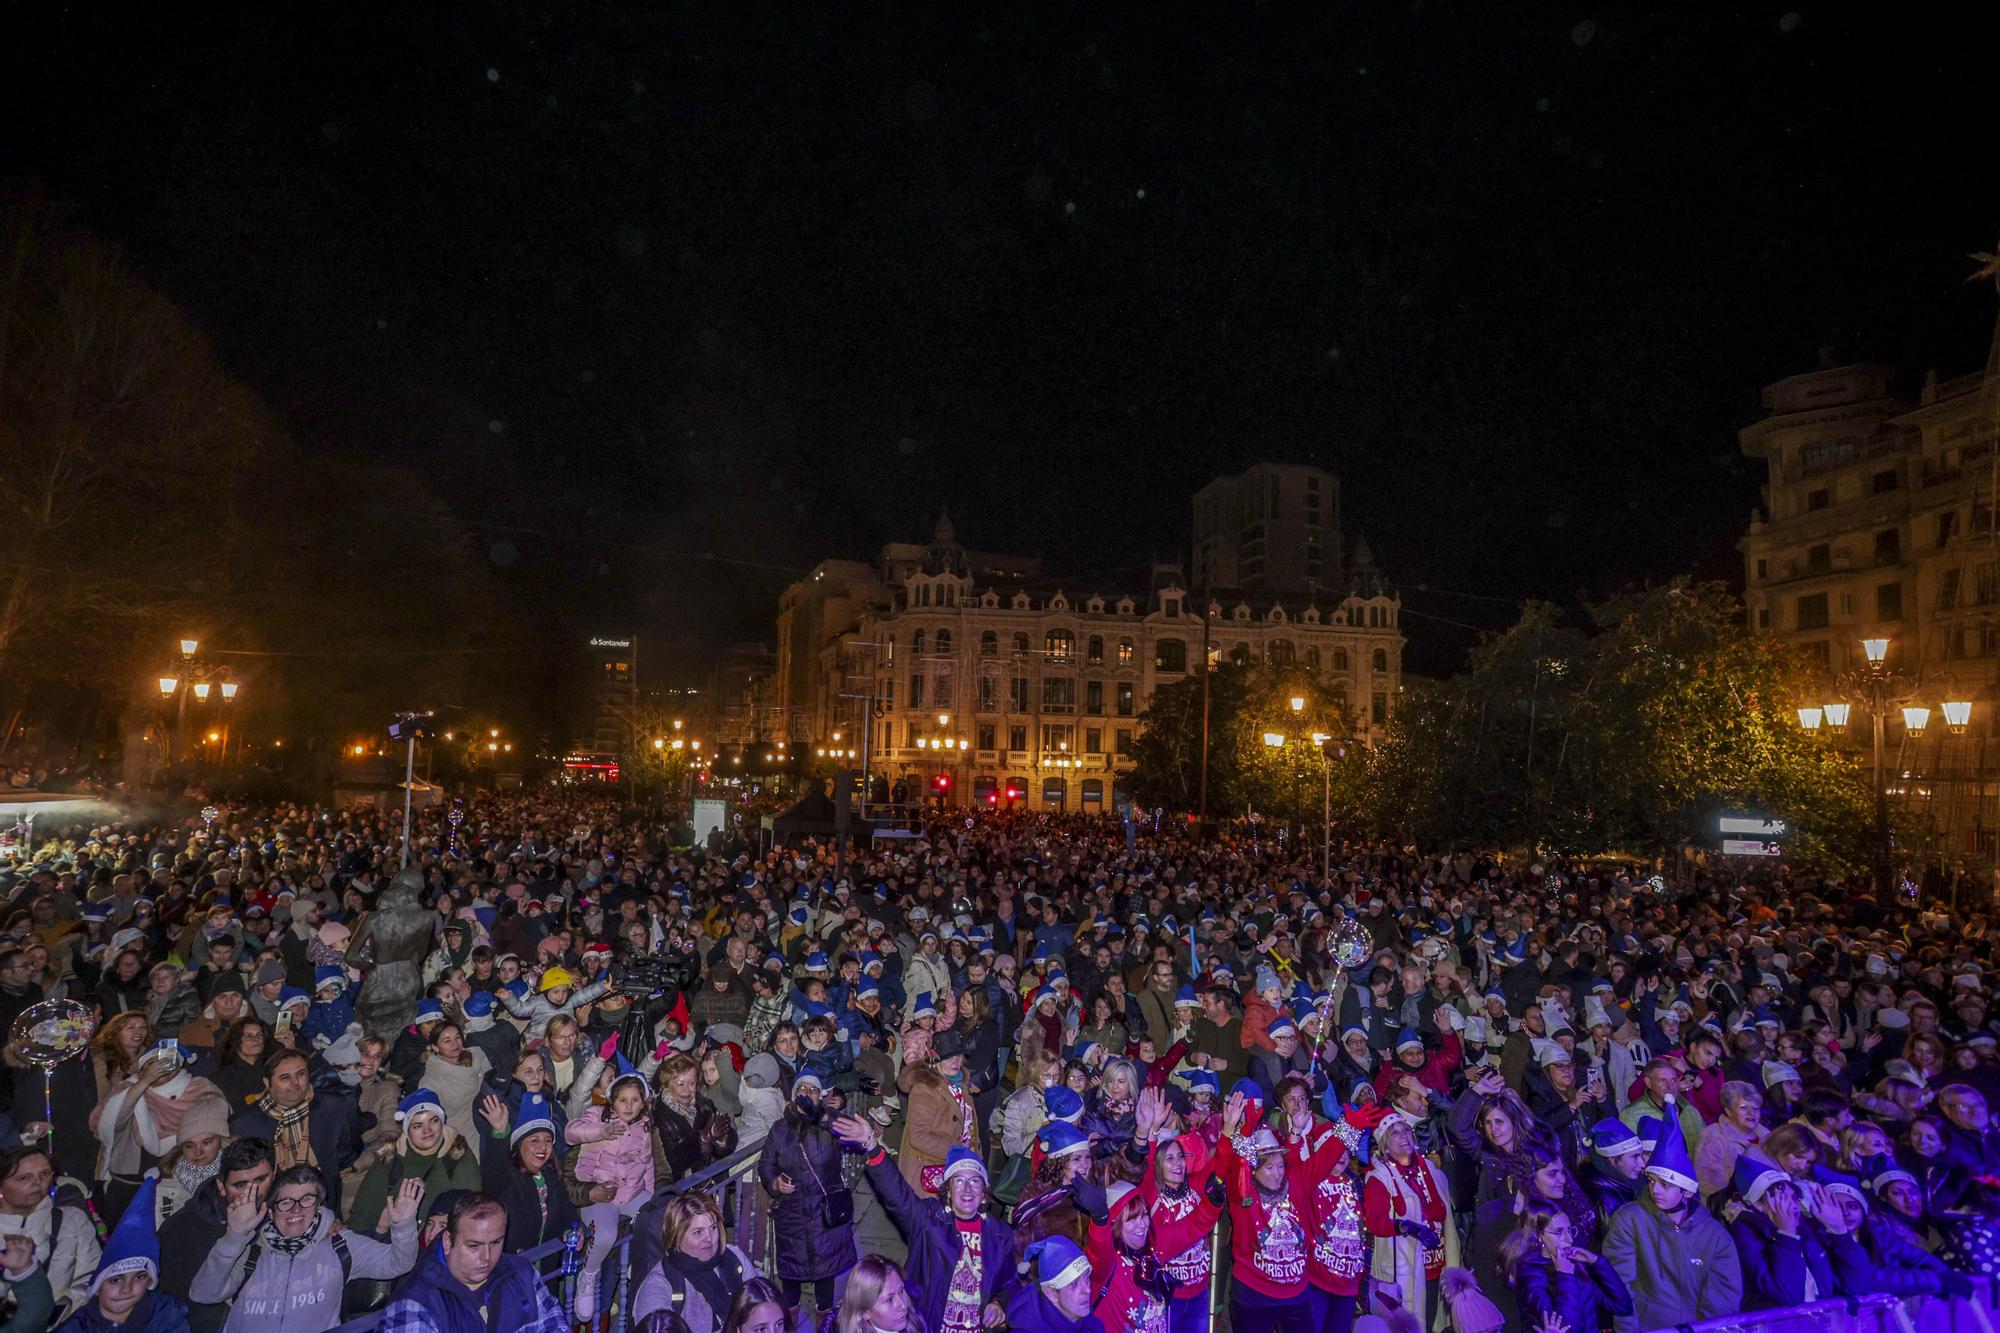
(537, 1009)
(1677, 1272)
(690, 1147)
(1584, 1299)
(1019, 1119)
(34, 1304)
(75, 1253)
(156, 1312)
(1716, 1155)
(931, 1231)
(1775, 1267)
(513, 1300)
(299, 1293)
(625, 1163)
(928, 974)
(533, 1215)
(934, 1120)
(1608, 1191)
(442, 1170)
(656, 1292)
(1903, 1267)
(762, 1108)
(807, 1152)
(185, 1240)
(333, 1126)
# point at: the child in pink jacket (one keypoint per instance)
(617, 1161)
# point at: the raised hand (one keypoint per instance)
(854, 1131)
(1552, 1323)
(247, 1212)
(1232, 1114)
(402, 1205)
(494, 1111)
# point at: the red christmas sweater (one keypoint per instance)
(1339, 1250)
(1123, 1305)
(1183, 1222)
(1268, 1238)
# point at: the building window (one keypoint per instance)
(1948, 590)
(986, 694)
(941, 692)
(1379, 660)
(1093, 792)
(1312, 660)
(1053, 790)
(1122, 739)
(889, 694)
(1055, 738)
(1240, 655)
(1819, 499)
(1058, 693)
(1280, 653)
(1017, 694)
(1763, 617)
(1170, 607)
(1017, 738)
(1888, 546)
(917, 644)
(1124, 652)
(1020, 645)
(1340, 659)
(944, 643)
(1093, 697)
(1763, 570)
(916, 691)
(1819, 557)
(1889, 601)
(889, 651)
(1093, 650)
(1093, 740)
(1812, 612)
(1124, 698)
(1885, 482)
(1947, 526)
(989, 644)
(1060, 645)
(1170, 655)
(1378, 709)
(986, 730)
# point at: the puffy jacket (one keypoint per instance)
(537, 1009)
(513, 1300)
(625, 1163)
(1677, 1272)
(273, 1292)
(807, 1153)
(1582, 1299)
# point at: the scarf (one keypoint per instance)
(686, 1110)
(705, 1278)
(292, 1245)
(292, 1139)
(192, 1177)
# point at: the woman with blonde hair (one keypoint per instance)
(877, 1300)
(699, 1272)
(115, 1049)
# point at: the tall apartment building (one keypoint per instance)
(1273, 528)
(612, 688)
(1013, 687)
(1878, 522)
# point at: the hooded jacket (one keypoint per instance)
(1776, 1267)
(1028, 1311)
(156, 1312)
(274, 1292)
(185, 1241)
(1677, 1272)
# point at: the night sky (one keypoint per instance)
(777, 282)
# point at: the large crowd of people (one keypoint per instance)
(1098, 1077)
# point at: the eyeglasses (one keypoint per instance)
(298, 1203)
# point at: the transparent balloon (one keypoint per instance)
(1350, 945)
(53, 1031)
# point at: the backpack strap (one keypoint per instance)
(339, 1241)
(55, 1229)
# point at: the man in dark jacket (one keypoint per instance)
(293, 1114)
(189, 1235)
(467, 1283)
(940, 1231)
(1056, 1293)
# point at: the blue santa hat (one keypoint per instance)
(1184, 997)
(1252, 1093)
(925, 1007)
(329, 974)
(479, 1004)
(292, 995)
(418, 1102)
(1059, 1138)
(1669, 1160)
(1202, 1080)
(868, 990)
(816, 961)
(1840, 1182)
(1753, 1178)
(1281, 1027)
(429, 1011)
(1409, 1037)
(518, 988)
(533, 1117)
(807, 1076)
(134, 1244)
(962, 1161)
(625, 1071)
(818, 1009)
(1612, 1137)
(1062, 1103)
(1056, 1262)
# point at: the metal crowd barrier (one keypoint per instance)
(745, 1211)
(1863, 1314)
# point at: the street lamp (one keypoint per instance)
(229, 688)
(168, 684)
(189, 647)
(201, 689)
(1298, 703)
(1878, 692)
(1275, 740)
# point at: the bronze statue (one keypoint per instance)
(390, 948)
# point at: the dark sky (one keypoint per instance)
(776, 282)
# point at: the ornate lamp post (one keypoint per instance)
(1877, 691)
(192, 675)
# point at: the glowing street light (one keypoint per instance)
(1915, 718)
(188, 647)
(1809, 718)
(168, 684)
(659, 744)
(1836, 716)
(1877, 651)
(1957, 716)
(1298, 703)
(1275, 740)
(201, 689)
(229, 688)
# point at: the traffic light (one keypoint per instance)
(942, 782)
